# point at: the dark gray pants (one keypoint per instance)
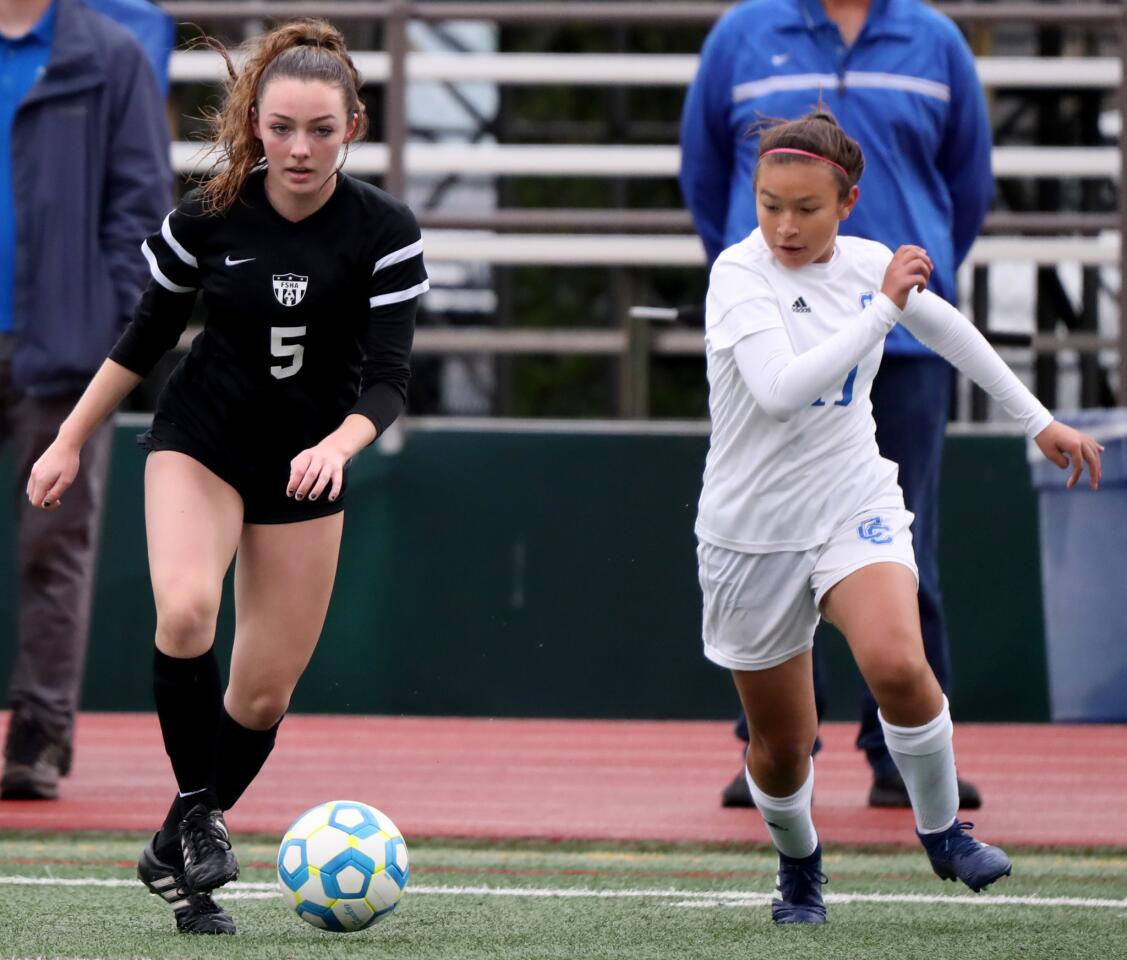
(56, 556)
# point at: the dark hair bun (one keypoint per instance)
(818, 133)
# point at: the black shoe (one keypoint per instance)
(33, 760)
(209, 861)
(888, 790)
(737, 793)
(194, 912)
(969, 797)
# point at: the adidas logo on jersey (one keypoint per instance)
(799, 306)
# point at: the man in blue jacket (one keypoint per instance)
(84, 178)
(901, 80)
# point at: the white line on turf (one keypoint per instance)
(681, 898)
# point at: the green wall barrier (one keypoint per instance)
(546, 573)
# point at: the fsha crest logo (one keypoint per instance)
(289, 288)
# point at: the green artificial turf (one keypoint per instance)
(596, 900)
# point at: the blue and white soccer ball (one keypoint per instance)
(342, 866)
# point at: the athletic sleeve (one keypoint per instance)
(784, 383)
(740, 302)
(167, 302)
(937, 324)
(398, 280)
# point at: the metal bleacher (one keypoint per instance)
(648, 238)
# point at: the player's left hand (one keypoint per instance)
(1068, 447)
(314, 470)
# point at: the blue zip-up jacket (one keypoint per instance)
(91, 178)
(906, 90)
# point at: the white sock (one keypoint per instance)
(925, 758)
(788, 819)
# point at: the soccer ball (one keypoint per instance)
(342, 866)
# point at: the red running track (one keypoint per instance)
(578, 779)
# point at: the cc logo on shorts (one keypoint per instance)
(875, 531)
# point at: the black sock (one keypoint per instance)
(167, 844)
(241, 754)
(189, 700)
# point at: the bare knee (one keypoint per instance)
(903, 679)
(781, 756)
(186, 623)
(257, 709)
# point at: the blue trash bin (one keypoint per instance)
(1084, 575)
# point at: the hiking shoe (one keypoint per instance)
(34, 760)
(194, 912)
(798, 890)
(737, 793)
(209, 861)
(888, 790)
(955, 855)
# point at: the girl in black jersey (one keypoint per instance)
(310, 281)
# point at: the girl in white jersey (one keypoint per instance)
(800, 516)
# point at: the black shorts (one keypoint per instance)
(259, 476)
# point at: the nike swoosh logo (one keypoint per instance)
(234, 263)
(779, 59)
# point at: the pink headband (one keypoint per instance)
(806, 153)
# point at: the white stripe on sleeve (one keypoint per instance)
(400, 295)
(177, 247)
(158, 276)
(398, 256)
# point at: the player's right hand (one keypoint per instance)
(52, 474)
(910, 267)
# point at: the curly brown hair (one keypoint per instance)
(306, 49)
(819, 133)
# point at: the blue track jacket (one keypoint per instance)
(906, 90)
(154, 29)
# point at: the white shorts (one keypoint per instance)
(761, 609)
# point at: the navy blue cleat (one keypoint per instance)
(956, 855)
(798, 890)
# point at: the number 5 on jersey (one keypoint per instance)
(295, 352)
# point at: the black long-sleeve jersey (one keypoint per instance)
(305, 323)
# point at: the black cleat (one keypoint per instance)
(737, 793)
(194, 912)
(209, 861)
(888, 790)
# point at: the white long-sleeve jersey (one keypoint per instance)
(792, 354)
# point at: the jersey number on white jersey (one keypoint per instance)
(846, 392)
(279, 348)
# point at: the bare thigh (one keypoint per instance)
(283, 581)
(193, 521)
(782, 723)
(877, 610)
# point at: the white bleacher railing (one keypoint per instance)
(634, 160)
(642, 69)
(685, 251)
